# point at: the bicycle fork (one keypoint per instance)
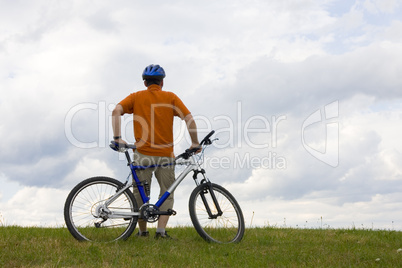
(206, 204)
(208, 189)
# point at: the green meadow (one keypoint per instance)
(260, 247)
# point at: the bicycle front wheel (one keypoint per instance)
(215, 214)
(87, 220)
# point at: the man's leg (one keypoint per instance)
(142, 160)
(162, 222)
(165, 177)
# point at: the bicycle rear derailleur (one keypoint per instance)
(151, 213)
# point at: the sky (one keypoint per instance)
(305, 97)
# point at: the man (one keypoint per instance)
(153, 112)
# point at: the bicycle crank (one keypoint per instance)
(151, 213)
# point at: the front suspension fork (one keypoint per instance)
(207, 189)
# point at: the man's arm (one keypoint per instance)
(116, 122)
(192, 130)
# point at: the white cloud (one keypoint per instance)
(88, 167)
(384, 6)
(33, 206)
(378, 213)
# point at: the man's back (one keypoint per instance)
(154, 112)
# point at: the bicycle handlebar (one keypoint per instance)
(121, 147)
(190, 152)
(206, 140)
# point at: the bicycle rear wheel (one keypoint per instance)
(81, 211)
(226, 227)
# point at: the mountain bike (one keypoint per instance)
(104, 209)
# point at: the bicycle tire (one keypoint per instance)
(80, 211)
(227, 228)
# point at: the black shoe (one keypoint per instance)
(143, 234)
(162, 236)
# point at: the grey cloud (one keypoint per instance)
(274, 87)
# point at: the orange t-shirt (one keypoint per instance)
(153, 112)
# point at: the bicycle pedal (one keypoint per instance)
(172, 212)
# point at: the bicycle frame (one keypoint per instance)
(192, 165)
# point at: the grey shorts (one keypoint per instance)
(164, 175)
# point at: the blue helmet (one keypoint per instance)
(153, 71)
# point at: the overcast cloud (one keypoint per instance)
(305, 97)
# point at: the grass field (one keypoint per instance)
(260, 247)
